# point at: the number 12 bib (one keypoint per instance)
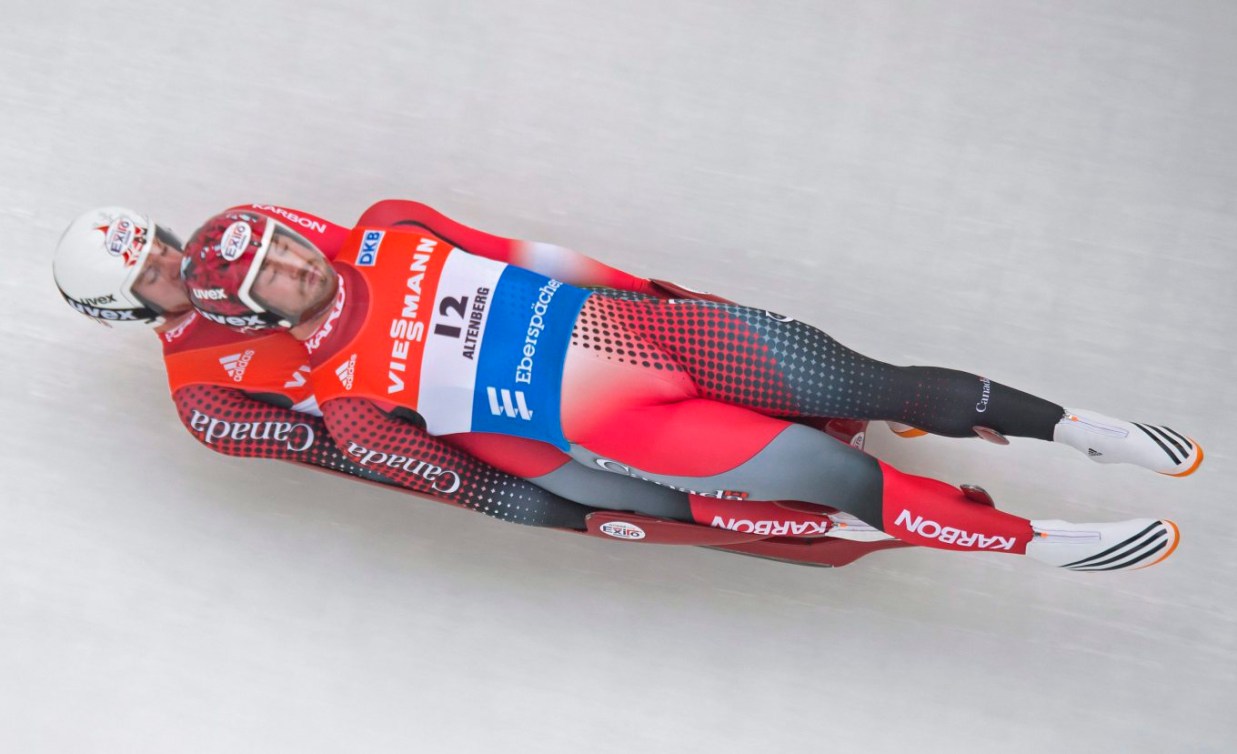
(470, 344)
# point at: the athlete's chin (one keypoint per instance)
(322, 295)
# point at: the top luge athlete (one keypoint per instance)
(410, 334)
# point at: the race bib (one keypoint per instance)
(471, 344)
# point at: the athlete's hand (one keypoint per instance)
(666, 289)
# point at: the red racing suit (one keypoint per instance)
(466, 345)
(248, 396)
(376, 432)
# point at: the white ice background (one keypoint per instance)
(1041, 191)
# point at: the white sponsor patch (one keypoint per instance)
(622, 530)
(235, 239)
(453, 338)
(120, 236)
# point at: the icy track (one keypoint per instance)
(1041, 191)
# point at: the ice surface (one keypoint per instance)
(1043, 191)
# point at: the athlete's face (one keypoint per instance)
(294, 278)
(159, 281)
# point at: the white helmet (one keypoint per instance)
(98, 260)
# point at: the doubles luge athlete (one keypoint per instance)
(248, 394)
(409, 335)
(118, 267)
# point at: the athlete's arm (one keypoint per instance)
(557, 262)
(230, 422)
(407, 455)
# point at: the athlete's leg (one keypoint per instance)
(551, 469)
(555, 471)
(783, 367)
(726, 451)
(716, 449)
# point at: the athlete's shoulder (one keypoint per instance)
(201, 352)
(398, 212)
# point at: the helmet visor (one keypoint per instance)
(155, 281)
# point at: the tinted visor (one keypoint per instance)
(168, 237)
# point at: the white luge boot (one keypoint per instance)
(1108, 440)
(1117, 546)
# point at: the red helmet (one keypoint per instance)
(221, 263)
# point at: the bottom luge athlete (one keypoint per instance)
(248, 395)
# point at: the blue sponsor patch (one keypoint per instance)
(520, 367)
(367, 255)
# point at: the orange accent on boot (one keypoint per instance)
(1193, 467)
(910, 432)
